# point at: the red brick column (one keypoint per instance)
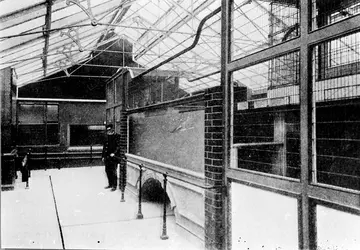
(214, 172)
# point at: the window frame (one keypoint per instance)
(45, 122)
(306, 190)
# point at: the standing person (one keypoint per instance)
(110, 149)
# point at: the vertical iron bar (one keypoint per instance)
(121, 184)
(140, 215)
(225, 79)
(164, 235)
(91, 153)
(28, 168)
(122, 174)
(307, 234)
(122, 194)
(46, 34)
(46, 161)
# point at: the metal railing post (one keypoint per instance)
(28, 168)
(140, 215)
(122, 178)
(91, 153)
(46, 160)
(164, 235)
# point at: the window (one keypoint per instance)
(266, 121)
(84, 135)
(117, 119)
(336, 122)
(110, 116)
(258, 25)
(119, 90)
(325, 12)
(149, 90)
(338, 57)
(282, 121)
(38, 124)
(110, 93)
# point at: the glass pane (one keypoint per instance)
(31, 114)
(266, 117)
(337, 229)
(52, 134)
(8, 6)
(325, 12)
(31, 134)
(85, 135)
(153, 89)
(117, 119)
(110, 116)
(52, 113)
(110, 93)
(119, 90)
(262, 219)
(257, 25)
(336, 118)
(170, 88)
(28, 25)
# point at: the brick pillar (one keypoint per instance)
(214, 172)
(123, 149)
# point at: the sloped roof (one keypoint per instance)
(42, 39)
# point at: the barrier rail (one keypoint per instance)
(44, 154)
(167, 171)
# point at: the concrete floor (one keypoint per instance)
(90, 217)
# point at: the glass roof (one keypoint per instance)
(38, 39)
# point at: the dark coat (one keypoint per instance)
(111, 146)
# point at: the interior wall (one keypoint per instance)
(169, 136)
(79, 114)
(268, 220)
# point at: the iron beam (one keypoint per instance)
(46, 33)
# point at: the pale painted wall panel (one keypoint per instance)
(262, 219)
(337, 230)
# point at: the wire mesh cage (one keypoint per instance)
(325, 12)
(257, 25)
(266, 120)
(336, 119)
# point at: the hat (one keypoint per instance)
(109, 126)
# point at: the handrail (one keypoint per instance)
(143, 164)
(254, 144)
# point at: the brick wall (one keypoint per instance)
(214, 174)
(123, 149)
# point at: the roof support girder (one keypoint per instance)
(46, 33)
(175, 27)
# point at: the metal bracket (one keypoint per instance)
(66, 51)
(138, 20)
(88, 11)
(73, 34)
(62, 65)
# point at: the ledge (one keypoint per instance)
(84, 148)
(256, 144)
(185, 175)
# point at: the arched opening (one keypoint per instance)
(152, 191)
